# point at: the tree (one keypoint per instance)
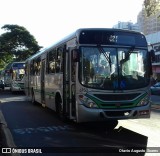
(17, 44)
(151, 6)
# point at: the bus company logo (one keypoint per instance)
(6, 150)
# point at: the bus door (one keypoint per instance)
(69, 105)
(43, 83)
(27, 79)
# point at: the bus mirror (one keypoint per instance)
(75, 55)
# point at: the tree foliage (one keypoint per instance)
(151, 6)
(16, 44)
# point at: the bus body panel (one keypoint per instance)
(14, 76)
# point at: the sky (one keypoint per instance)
(51, 20)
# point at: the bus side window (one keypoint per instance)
(51, 60)
(59, 61)
(32, 67)
(57, 66)
(52, 66)
(26, 69)
(38, 66)
(73, 63)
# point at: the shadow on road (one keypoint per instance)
(119, 140)
(80, 139)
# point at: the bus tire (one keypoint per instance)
(33, 98)
(59, 108)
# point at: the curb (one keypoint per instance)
(7, 135)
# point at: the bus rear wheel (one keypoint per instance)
(59, 108)
(33, 98)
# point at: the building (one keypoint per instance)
(154, 40)
(148, 25)
(126, 25)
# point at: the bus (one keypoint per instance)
(14, 76)
(93, 75)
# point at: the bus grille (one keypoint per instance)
(116, 97)
(117, 105)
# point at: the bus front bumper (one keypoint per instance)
(93, 114)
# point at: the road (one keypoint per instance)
(34, 126)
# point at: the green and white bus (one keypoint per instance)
(13, 76)
(94, 74)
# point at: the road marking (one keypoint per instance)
(43, 129)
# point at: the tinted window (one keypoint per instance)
(112, 38)
(19, 65)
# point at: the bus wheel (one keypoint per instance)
(59, 108)
(33, 98)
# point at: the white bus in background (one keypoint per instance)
(14, 76)
(93, 75)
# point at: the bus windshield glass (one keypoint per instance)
(18, 71)
(113, 68)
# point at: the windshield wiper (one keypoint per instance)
(127, 54)
(105, 55)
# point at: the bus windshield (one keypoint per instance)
(18, 74)
(113, 68)
(18, 71)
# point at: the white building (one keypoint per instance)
(148, 25)
(127, 25)
(154, 40)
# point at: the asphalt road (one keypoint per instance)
(33, 126)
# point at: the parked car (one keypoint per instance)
(1, 84)
(155, 89)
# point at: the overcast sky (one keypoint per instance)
(50, 20)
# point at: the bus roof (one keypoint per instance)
(76, 34)
(10, 65)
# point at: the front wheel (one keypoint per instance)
(33, 98)
(59, 108)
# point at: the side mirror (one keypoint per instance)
(151, 59)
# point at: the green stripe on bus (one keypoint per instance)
(102, 104)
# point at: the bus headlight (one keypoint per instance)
(144, 101)
(87, 102)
